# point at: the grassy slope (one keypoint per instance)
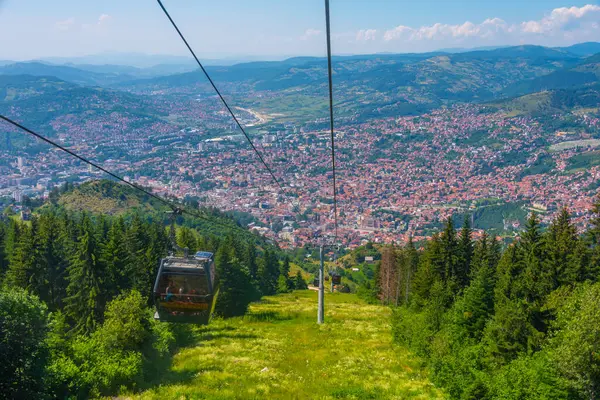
(279, 352)
(106, 197)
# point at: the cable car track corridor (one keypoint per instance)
(278, 352)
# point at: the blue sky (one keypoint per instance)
(278, 28)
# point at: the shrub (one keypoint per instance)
(528, 377)
(128, 349)
(23, 332)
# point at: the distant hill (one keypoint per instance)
(583, 49)
(143, 61)
(525, 52)
(552, 101)
(389, 84)
(41, 101)
(65, 73)
(371, 85)
(138, 60)
(583, 73)
(128, 73)
(20, 87)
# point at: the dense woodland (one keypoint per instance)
(506, 322)
(490, 320)
(76, 317)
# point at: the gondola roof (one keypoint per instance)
(203, 255)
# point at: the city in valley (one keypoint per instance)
(406, 160)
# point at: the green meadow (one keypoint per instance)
(277, 351)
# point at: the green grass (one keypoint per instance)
(572, 144)
(290, 106)
(278, 351)
(524, 105)
(583, 161)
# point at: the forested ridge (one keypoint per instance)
(76, 309)
(494, 321)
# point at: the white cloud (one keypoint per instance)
(440, 31)
(364, 35)
(309, 33)
(65, 25)
(103, 19)
(566, 23)
(398, 32)
(563, 19)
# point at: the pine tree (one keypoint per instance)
(11, 239)
(85, 300)
(510, 332)
(464, 254)
(3, 260)
(593, 233)
(250, 260)
(592, 269)
(236, 291)
(299, 282)
(494, 253)
(440, 298)
(566, 258)
(449, 251)
(412, 262)
(187, 240)
(481, 254)
(268, 272)
(535, 281)
(478, 301)
(50, 282)
(285, 272)
(508, 273)
(282, 285)
(430, 269)
(69, 232)
(114, 257)
(137, 243)
(402, 265)
(22, 259)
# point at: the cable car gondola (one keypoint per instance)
(336, 278)
(186, 289)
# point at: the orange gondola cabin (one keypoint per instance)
(186, 289)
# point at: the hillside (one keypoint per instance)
(584, 73)
(387, 84)
(278, 351)
(550, 102)
(52, 105)
(583, 49)
(108, 198)
(366, 86)
(68, 73)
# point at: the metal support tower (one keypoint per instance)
(321, 310)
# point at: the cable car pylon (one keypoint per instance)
(321, 305)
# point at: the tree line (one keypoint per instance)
(76, 316)
(501, 321)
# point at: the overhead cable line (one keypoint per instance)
(170, 204)
(329, 73)
(262, 160)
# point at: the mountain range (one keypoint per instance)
(365, 85)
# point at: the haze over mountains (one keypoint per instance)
(387, 83)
